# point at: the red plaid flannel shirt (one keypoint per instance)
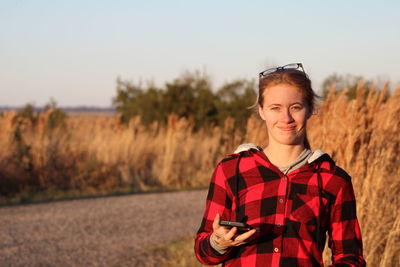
(287, 210)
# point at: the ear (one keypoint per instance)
(261, 112)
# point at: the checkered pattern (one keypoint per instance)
(286, 210)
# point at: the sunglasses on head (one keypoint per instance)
(292, 66)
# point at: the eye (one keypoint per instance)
(275, 108)
(297, 107)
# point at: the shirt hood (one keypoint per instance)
(245, 147)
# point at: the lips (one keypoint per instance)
(287, 128)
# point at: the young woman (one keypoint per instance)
(288, 195)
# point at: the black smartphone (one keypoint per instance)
(239, 225)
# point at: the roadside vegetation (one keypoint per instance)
(154, 143)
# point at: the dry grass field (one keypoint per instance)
(97, 154)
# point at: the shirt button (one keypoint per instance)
(281, 200)
(276, 249)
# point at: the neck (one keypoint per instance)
(282, 155)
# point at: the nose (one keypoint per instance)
(286, 116)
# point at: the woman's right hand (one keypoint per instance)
(225, 237)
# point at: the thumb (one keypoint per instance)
(216, 222)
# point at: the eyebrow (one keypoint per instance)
(295, 103)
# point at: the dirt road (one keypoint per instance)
(109, 231)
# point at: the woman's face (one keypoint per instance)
(285, 113)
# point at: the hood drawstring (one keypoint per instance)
(319, 217)
(237, 188)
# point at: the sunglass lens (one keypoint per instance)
(291, 66)
(268, 71)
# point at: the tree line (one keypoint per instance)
(191, 96)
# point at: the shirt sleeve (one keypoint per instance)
(344, 230)
(219, 200)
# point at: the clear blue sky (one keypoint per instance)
(73, 51)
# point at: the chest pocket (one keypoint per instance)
(308, 204)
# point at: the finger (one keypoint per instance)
(238, 244)
(246, 235)
(230, 234)
(215, 224)
(221, 231)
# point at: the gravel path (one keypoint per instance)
(109, 231)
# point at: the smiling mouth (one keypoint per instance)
(287, 129)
